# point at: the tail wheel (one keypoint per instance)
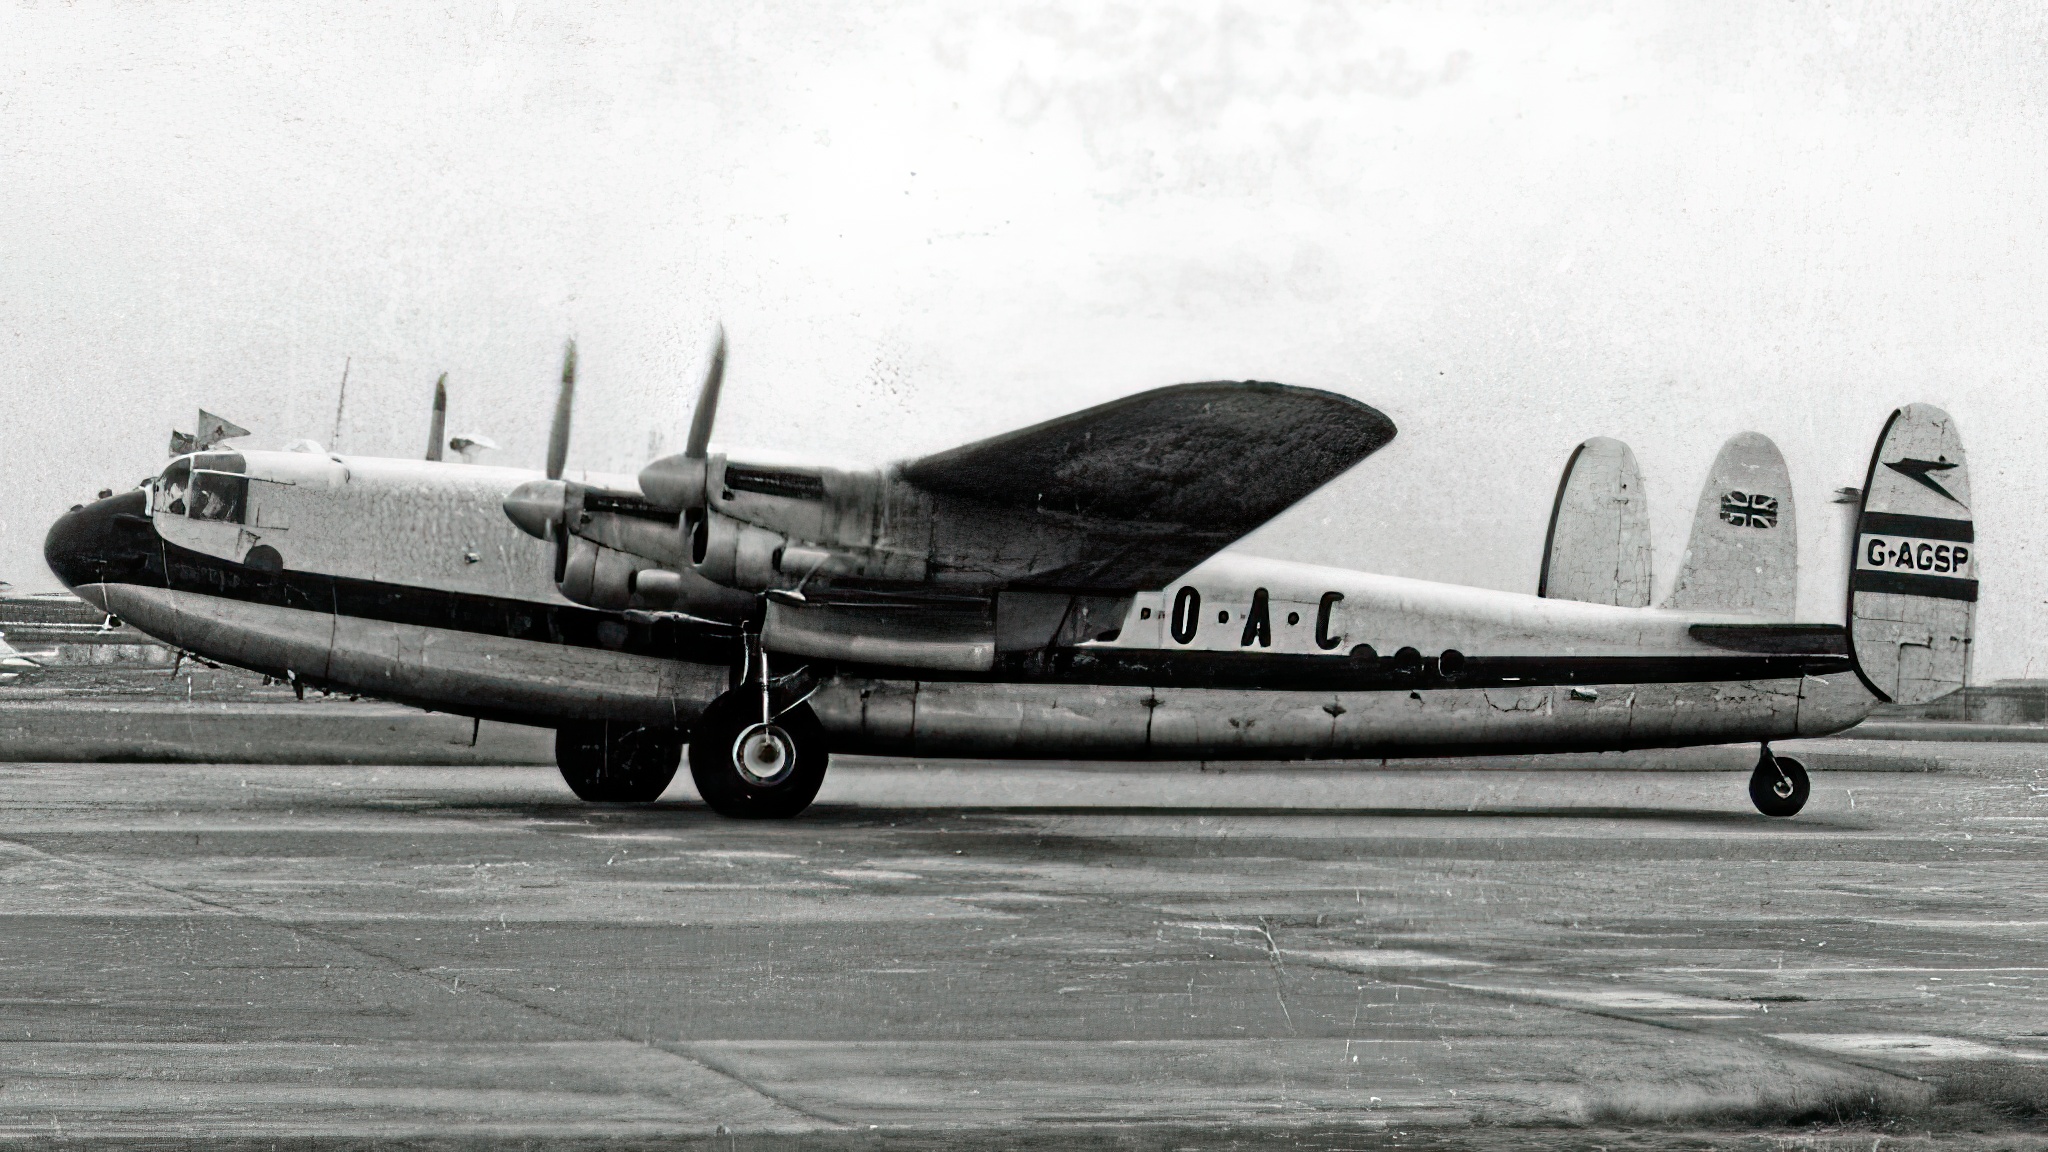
(1779, 786)
(749, 769)
(615, 762)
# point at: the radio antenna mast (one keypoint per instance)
(334, 441)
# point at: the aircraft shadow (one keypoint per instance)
(849, 815)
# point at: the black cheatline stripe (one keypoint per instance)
(1922, 527)
(702, 642)
(1913, 584)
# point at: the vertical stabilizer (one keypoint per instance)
(1913, 580)
(1743, 555)
(1598, 547)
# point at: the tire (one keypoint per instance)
(776, 787)
(618, 762)
(1766, 787)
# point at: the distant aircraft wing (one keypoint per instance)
(1148, 486)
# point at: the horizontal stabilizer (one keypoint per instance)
(1598, 548)
(1776, 639)
(1743, 556)
(1913, 580)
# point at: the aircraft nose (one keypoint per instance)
(106, 539)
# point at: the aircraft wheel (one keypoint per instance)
(618, 762)
(749, 770)
(1779, 786)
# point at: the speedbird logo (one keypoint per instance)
(1750, 510)
(1918, 472)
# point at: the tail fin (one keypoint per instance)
(1744, 552)
(1598, 547)
(1913, 580)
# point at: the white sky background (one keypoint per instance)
(1510, 227)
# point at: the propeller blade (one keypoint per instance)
(565, 402)
(707, 402)
(676, 483)
(440, 421)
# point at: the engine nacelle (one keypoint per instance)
(674, 482)
(599, 576)
(664, 590)
(736, 554)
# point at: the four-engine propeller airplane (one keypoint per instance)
(1059, 591)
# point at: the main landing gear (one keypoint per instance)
(1779, 786)
(758, 752)
(618, 761)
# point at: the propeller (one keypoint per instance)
(537, 505)
(677, 483)
(672, 484)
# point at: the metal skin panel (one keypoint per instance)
(1009, 720)
(455, 670)
(554, 680)
(1598, 547)
(967, 719)
(227, 541)
(1743, 555)
(1392, 612)
(1715, 712)
(1829, 704)
(536, 659)
(828, 633)
(874, 525)
(861, 713)
(414, 522)
(1226, 723)
(262, 636)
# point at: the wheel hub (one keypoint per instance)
(764, 754)
(1783, 787)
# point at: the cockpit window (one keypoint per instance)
(173, 485)
(210, 486)
(219, 496)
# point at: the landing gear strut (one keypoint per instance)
(758, 752)
(617, 761)
(1779, 786)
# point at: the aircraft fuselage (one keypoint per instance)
(404, 580)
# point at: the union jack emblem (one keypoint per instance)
(1745, 510)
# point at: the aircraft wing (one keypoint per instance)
(1144, 488)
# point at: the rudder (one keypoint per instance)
(1913, 579)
